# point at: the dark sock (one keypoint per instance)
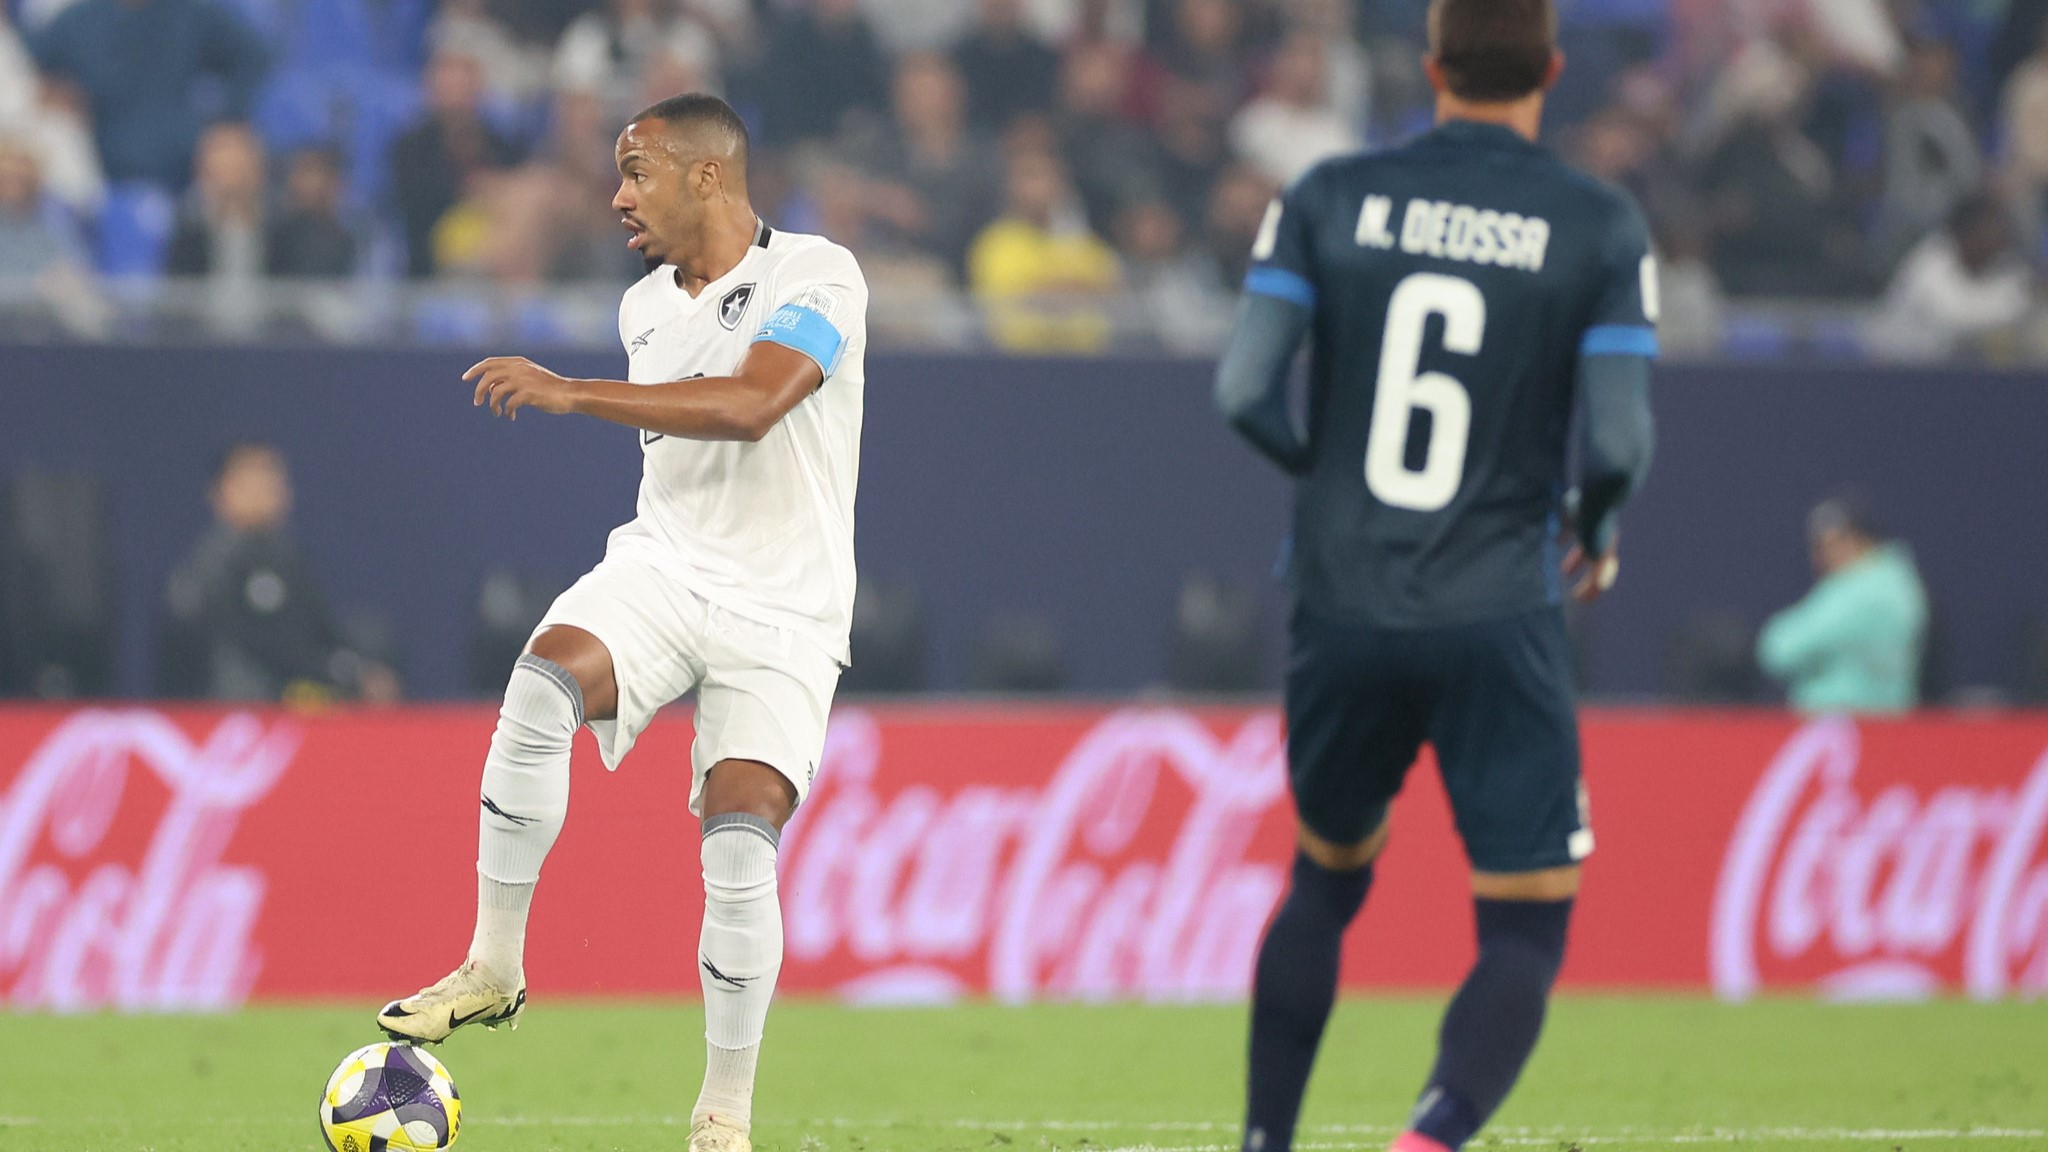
(1292, 991)
(1493, 1021)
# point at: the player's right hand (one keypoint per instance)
(509, 383)
(1591, 576)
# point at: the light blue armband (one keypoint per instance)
(1282, 284)
(1619, 340)
(794, 326)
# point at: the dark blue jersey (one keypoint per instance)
(1454, 285)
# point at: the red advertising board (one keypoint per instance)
(194, 858)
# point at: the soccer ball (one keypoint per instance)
(390, 1098)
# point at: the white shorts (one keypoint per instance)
(763, 692)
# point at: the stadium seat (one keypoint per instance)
(1839, 338)
(135, 229)
(888, 639)
(1712, 660)
(509, 606)
(2032, 689)
(541, 321)
(57, 588)
(1019, 654)
(1756, 337)
(1218, 643)
(452, 319)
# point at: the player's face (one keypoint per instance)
(657, 201)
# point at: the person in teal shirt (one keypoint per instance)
(1853, 643)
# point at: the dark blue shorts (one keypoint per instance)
(1494, 699)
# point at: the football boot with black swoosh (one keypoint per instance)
(468, 995)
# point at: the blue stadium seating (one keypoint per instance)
(1756, 337)
(452, 319)
(135, 229)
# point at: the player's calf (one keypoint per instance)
(740, 948)
(1493, 1022)
(1295, 985)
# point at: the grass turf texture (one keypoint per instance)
(1612, 1073)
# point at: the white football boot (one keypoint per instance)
(712, 1134)
(464, 996)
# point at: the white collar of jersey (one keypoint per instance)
(716, 288)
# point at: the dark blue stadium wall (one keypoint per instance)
(1077, 490)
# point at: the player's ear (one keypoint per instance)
(1555, 70)
(1433, 69)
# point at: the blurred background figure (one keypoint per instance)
(1109, 156)
(933, 181)
(2024, 108)
(1009, 72)
(154, 73)
(436, 163)
(1960, 291)
(1042, 274)
(45, 269)
(1179, 287)
(308, 236)
(46, 118)
(1854, 643)
(822, 66)
(1932, 159)
(221, 229)
(245, 615)
(606, 52)
(1291, 125)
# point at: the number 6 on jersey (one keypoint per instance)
(1401, 389)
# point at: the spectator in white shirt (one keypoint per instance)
(1957, 289)
(606, 52)
(1290, 126)
(43, 119)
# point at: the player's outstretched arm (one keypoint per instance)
(772, 379)
(1251, 381)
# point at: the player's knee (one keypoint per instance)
(1542, 885)
(1332, 856)
(748, 788)
(738, 854)
(542, 710)
(589, 666)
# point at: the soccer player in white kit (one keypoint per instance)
(735, 579)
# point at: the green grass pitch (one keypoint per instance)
(1613, 1073)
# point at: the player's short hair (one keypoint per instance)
(1493, 51)
(236, 451)
(1845, 511)
(702, 110)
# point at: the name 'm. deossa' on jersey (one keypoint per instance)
(763, 529)
(1454, 283)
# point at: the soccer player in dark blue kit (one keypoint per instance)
(1461, 294)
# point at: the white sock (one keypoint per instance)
(525, 799)
(499, 945)
(739, 957)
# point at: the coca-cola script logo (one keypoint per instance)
(1123, 875)
(81, 929)
(1896, 894)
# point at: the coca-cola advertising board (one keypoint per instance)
(156, 859)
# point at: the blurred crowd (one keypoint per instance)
(1040, 174)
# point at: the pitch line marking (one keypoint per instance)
(1511, 1136)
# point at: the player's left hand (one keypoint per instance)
(509, 383)
(1591, 576)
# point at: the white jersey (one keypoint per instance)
(764, 529)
